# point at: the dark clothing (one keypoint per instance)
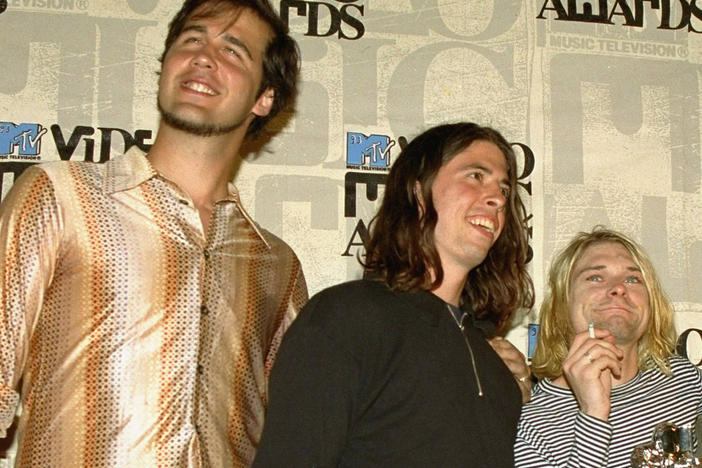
(367, 376)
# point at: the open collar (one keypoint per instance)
(131, 169)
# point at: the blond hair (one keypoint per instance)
(555, 334)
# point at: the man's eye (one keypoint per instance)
(593, 278)
(633, 279)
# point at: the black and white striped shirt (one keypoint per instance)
(554, 433)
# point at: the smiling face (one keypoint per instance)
(211, 74)
(607, 287)
(469, 194)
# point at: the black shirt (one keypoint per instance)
(367, 376)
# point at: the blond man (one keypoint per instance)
(605, 358)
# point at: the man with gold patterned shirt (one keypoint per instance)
(142, 307)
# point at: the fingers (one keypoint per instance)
(516, 363)
(592, 356)
(597, 353)
(588, 369)
(512, 357)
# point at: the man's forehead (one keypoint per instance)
(226, 15)
(602, 253)
(225, 11)
(480, 153)
(215, 10)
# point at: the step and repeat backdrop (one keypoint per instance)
(600, 98)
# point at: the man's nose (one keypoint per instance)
(617, 289)
(495, 196)
(204, 58)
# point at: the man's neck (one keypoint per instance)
(630, 364)
(453, 282)
(451, 288)
(201, 166)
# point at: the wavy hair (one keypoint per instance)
(555, 333)
(281, 58)
(401, 250)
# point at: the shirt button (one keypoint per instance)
(206, 253)
(204, 310)
(200, 369)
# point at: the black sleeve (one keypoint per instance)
(313, 387)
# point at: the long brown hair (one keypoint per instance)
(401, 249)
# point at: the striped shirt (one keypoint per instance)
(140, 341)
(553, 432)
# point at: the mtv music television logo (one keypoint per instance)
(23, 140)
(368, 152)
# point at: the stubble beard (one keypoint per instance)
(622, 330)
(195, 128)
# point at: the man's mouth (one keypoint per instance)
(199, 87)
(483, 222)
(616, 308)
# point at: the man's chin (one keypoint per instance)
(623, 332)
(203, 129)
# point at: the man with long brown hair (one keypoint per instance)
(390, 370)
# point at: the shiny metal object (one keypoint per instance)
(671, 446)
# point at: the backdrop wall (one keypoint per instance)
(601, 99)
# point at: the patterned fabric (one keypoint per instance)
(139, 342)
(553, 432)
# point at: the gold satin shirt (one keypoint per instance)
(139, 342)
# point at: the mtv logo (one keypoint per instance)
(372, 151)
(25, 138)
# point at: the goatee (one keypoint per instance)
(194, 128)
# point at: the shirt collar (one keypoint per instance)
(127, 171)
(131, 169)
(233, 196)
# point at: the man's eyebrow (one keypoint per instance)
(193, 27)
(227, 37)
(584, 269)
(602, 267)
(486, 170)
(237, 42)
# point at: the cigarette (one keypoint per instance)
(591, 329)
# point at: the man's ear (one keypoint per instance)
(264, 103)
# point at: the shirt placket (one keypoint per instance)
(207, 316)
(199, 258)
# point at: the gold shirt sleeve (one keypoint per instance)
(29, 238)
